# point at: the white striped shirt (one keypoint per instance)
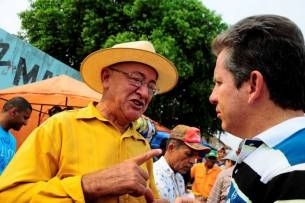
(271, 167)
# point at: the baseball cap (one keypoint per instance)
(212, 153)
(190, 136)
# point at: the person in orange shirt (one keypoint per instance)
(204, 175)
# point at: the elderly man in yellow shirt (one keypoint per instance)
(95, 154)
(204, 175)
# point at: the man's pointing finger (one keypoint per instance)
(145, 157)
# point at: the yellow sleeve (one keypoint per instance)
(31, 175)
(152, 183)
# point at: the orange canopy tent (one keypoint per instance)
(62, 91)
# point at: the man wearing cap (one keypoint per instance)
(95, 154)
(221, 186)
(181, 153)
(204, 175)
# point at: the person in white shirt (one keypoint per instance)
(182, 149)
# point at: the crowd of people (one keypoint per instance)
(98, 154)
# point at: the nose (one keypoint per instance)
(144, 91)
(212, 97)
(193, 159)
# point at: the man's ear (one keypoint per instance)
(105, 74)
(256, 82)
(12, 112)
(170, 146)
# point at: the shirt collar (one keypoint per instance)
(165, 165)
(91, 112)
(281, 131)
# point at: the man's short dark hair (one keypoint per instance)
(20, 103)
(272, 45)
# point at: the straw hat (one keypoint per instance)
(137, 51)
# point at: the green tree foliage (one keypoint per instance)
(181, 30)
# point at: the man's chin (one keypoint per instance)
(184, 171)
(133, 116)
(17, 129)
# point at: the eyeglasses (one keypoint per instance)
(137, 79)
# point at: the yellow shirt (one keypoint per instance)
(50, 163)
(203, 179)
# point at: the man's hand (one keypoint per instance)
(123, 178)
(178, 200)
(186, 200)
